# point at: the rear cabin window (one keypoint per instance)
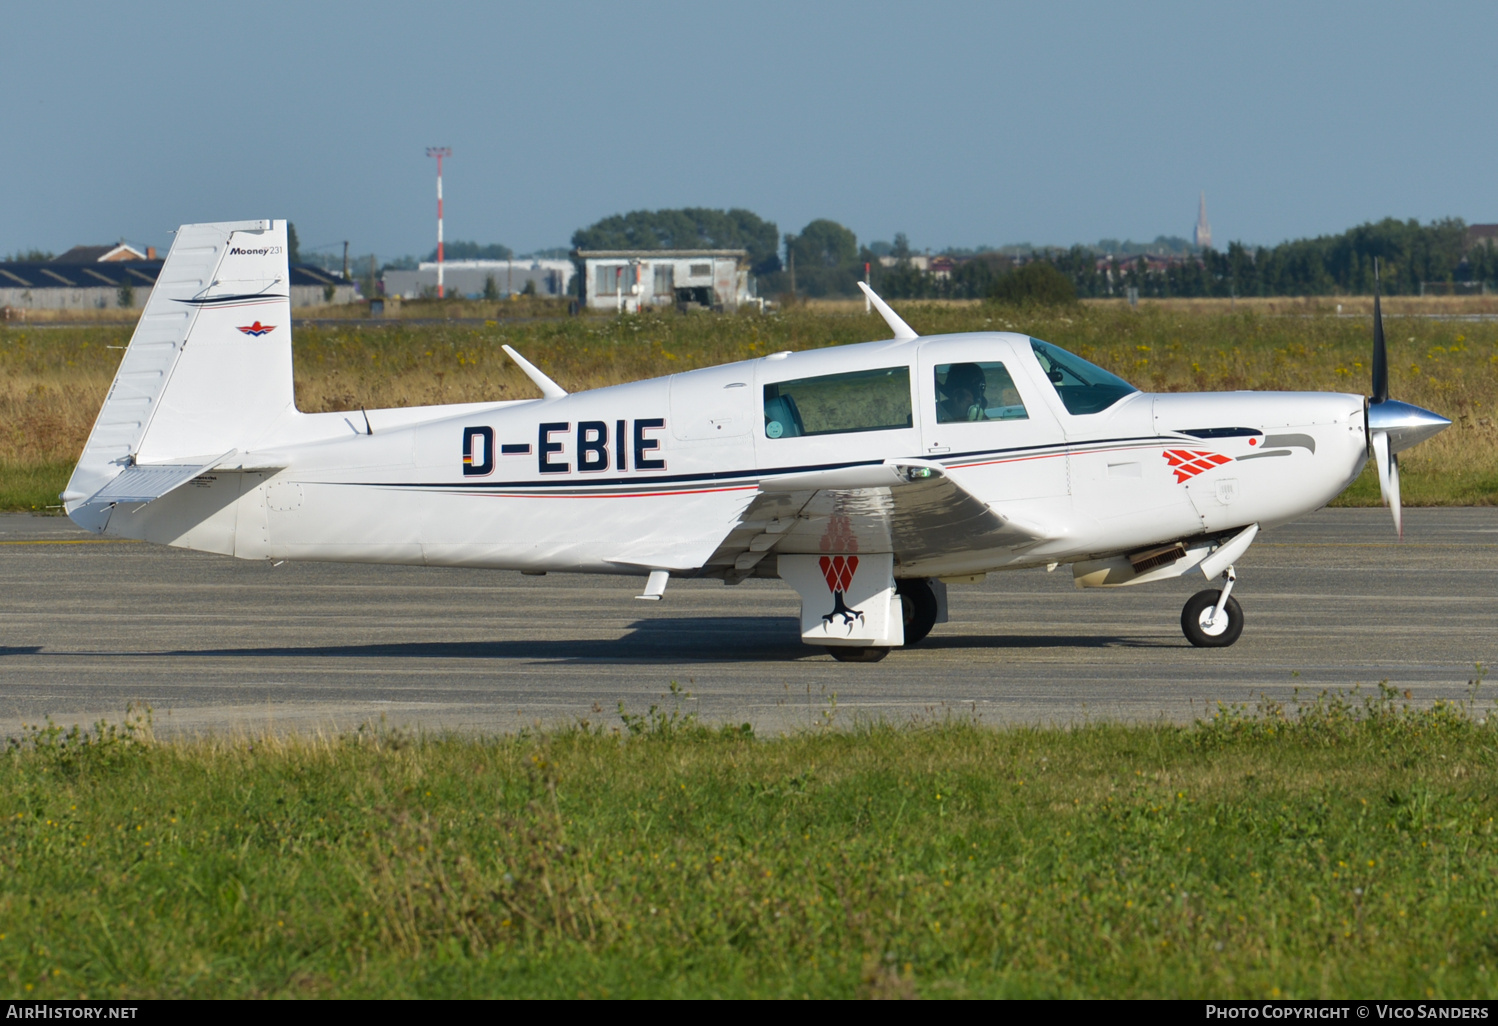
(1083, 387)
(976, 391)
(835, 404)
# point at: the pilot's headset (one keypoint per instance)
(968, 376)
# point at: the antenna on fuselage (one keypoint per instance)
(903, 332)
(550, 389)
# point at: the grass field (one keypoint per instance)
(1346, 848)
(55, 377)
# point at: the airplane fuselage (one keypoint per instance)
(658, 474)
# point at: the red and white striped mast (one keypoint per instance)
(439, 152)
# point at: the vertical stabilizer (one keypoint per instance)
(208, 369)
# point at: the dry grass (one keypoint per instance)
(54, 378)
(1319, 306)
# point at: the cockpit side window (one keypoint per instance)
(976, 392)
(1082, 386)
(869, 400)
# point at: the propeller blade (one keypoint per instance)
(1388, 477)
(1394, 506)
(1380, 354)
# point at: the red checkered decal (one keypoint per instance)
(1188, 464)
(839, 571)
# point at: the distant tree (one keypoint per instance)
(32, 256)
(125, 295)
(826, 258)
(688, 228)
(901, 249)
(491, 288)
(880, 249)
(460, 250)
(823, 243)
(293, 247)
(530, 287)
(1038, 282)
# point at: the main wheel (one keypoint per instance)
(1196, 617)
(918, 606)
(858, 653)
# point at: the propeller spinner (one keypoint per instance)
(1392, 426)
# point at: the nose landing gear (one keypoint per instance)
(1213, 619)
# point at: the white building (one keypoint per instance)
(627, 279)
(470, 278)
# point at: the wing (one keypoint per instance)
(908, 507)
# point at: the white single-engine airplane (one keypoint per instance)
(868, 477)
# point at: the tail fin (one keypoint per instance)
(208, 370)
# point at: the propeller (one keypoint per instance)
(1392, 426)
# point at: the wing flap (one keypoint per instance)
(908, 507)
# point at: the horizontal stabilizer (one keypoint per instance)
(146, 483)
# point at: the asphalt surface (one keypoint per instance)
(211, 643)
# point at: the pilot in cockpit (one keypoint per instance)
(964, 394)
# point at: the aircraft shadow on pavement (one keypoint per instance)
(685, 639)
(6, 650)
(675, 639)
(1062, 641)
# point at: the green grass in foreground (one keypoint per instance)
(1348, 849)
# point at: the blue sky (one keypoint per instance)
(958, 123)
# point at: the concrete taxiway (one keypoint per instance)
(89, 625)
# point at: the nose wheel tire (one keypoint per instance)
(1199, 627)
(918, 607)
(858, 653)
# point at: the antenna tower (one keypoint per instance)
(439, 152)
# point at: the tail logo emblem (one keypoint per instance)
(257, 329)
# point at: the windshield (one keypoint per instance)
(1083, 387)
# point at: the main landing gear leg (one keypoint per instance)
(1213, 619)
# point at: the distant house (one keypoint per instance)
(628, 279)
(1481, 235)
(101, 284)
(471, 278)
(920, 261)
(120, 251)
